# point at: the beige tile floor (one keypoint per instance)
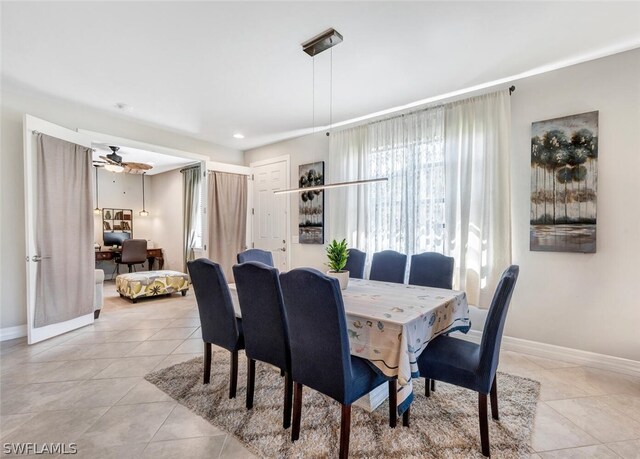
(87, 387)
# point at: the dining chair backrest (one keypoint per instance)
(431, 269)
(264, 319)
(320, 356)
(134, 251)
(355, 263)
(261, 256)
(494, 326)
(217, 316)
(388, 266)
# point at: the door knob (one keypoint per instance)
(37, 258)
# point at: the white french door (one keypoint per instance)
(31, 126)
(271, 212)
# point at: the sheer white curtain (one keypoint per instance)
(448, 188)
(406, 213)
(478, 219)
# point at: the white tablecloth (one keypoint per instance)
(390, 325)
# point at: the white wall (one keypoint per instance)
(166, 217)
(583, 301)
(580, 301)
(123, 191)
(302, 150)
(15, 103)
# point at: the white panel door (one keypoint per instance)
(271, 212)
(33, 258)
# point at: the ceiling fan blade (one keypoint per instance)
(139, 166)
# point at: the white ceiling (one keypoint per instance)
(160, 162)
(210, 70)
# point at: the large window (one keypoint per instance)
(408, 213)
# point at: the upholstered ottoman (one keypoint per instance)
(151, 283)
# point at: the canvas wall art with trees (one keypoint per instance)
(311, 204)
(564, 160)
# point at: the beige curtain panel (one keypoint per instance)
(64, 231)
(227, 218)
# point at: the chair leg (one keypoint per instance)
(484, 424)
(393, 403)
(427, 388)
(207, 362)
(288, 393)
(251, 381)
(345, 431)
(233, 377)
(282, 372)
(297, 411)
(405, 417)
(130, 269)
(433, 385)
(494, 399)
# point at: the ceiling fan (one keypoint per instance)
(113, 162)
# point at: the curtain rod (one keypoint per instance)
(512, 89)
(188, 168)
(34, 132)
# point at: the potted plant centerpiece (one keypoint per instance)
(337, 254)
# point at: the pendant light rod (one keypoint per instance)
(97, 209)
(332, 185)
(143, 212)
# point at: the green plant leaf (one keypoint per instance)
(337, 254)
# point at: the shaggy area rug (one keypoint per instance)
(442, 426)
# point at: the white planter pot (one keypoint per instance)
(342, 276)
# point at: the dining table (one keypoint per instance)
(390, 325)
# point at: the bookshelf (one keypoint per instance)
(117, 220)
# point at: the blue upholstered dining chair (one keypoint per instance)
(431, 269)
(470, 365)
(261, 256)
(264, 322)
(388, 266)
(217, 317)
(320, 357)
(355, 263)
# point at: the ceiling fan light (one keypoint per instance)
(144, 213)
(97, 211)
(114, 168)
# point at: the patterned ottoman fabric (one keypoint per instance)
(151, 283)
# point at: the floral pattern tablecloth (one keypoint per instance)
(391, 324)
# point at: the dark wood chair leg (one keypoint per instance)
(184, 293)
(345, 431)
(297, 411)
(251, 381)
(96, 314)
(433, 385)
(282, 372)
(494, 399)
(233, 377)
(427, 388)
(207, 362)
(405, 417)
(484, 424)
(288, 393)
(393, 403)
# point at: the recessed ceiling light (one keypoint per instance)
(238, 136)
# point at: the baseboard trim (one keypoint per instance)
(566, 354)
(13, 332)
